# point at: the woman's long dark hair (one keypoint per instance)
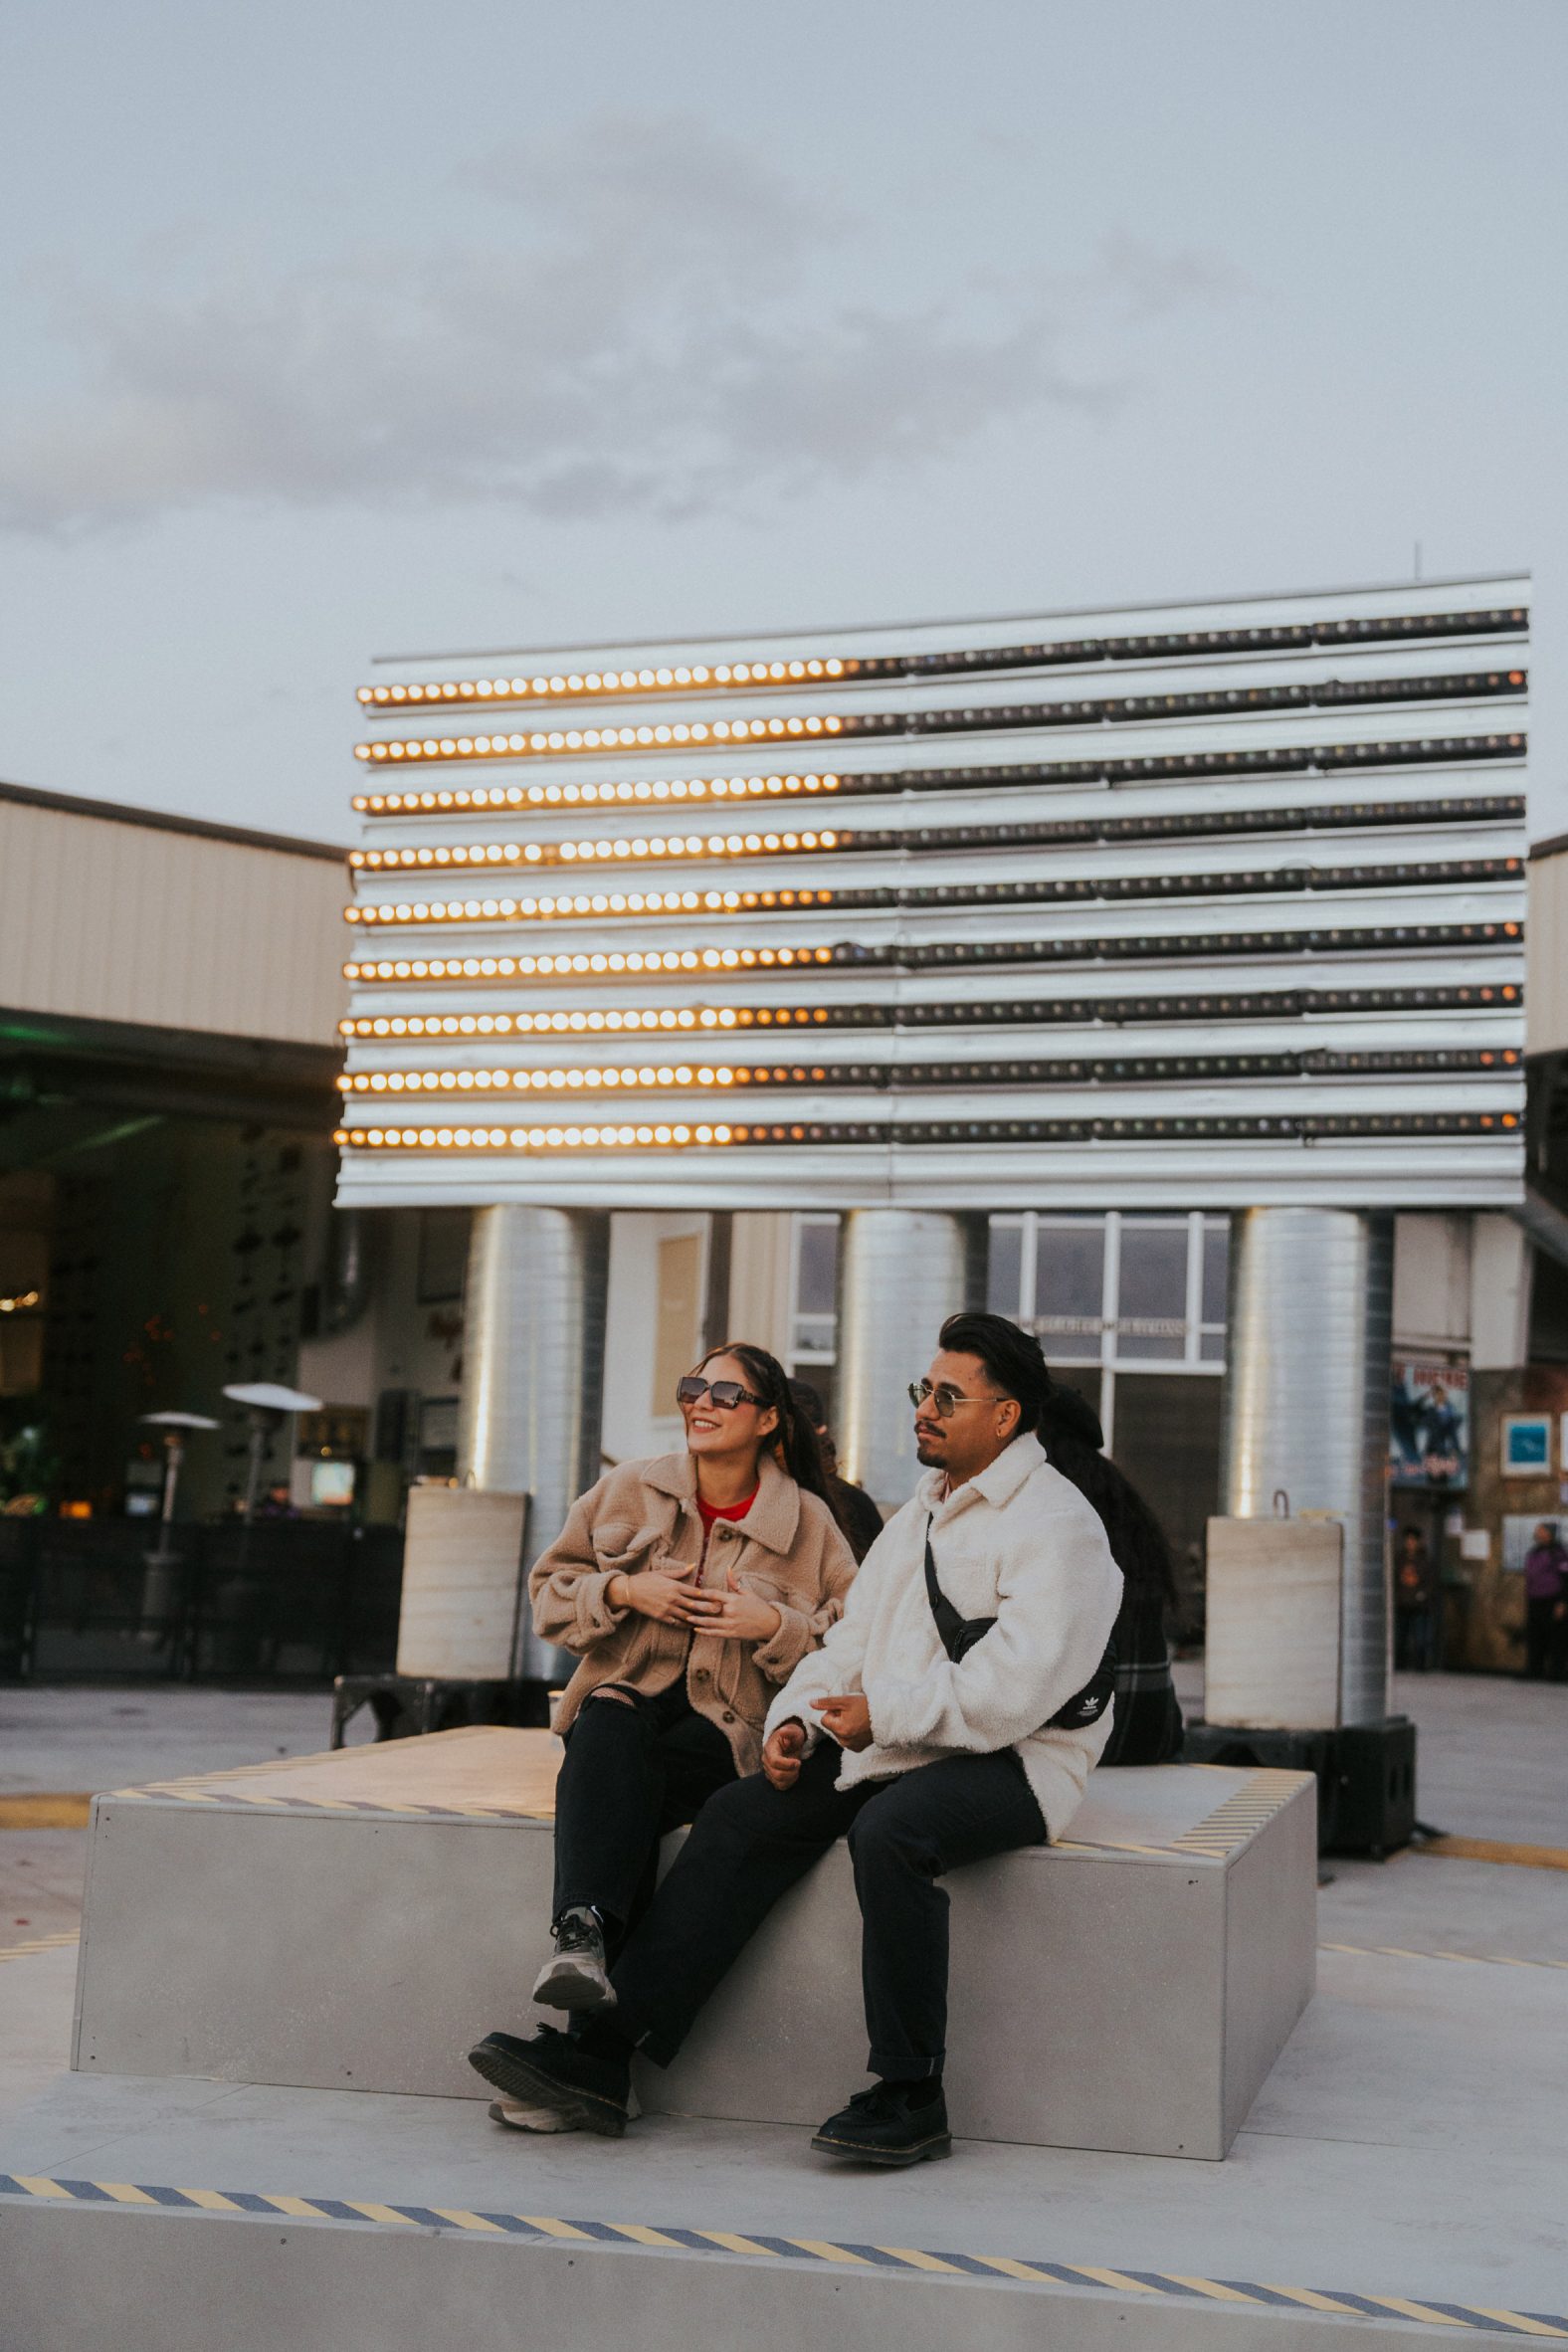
(794, 1443)
(1068, 1427)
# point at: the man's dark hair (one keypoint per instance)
(1011, 1358)
(1069, 1428)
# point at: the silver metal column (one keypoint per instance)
(902, 1272)
(533, 1369)
(1306, 1402)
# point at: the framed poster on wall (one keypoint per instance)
(1429, 1425)
(1527, 1444)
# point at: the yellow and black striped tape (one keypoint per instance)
(539, 2228)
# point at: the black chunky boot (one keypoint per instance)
(587, 2086)
(893, 2123)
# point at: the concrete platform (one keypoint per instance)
(362, 1917)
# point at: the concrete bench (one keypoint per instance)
(355, 1920)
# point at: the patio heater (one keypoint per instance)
(268, 1406)
(160, 1580)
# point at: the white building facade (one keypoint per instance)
(1123, 970)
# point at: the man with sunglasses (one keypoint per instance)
(952, 1714)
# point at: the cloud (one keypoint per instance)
(647, 317)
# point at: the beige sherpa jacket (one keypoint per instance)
(788, 1549)
(1018, 1544)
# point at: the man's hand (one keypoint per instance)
(847, 1718)
(782, 1752)
(668, 1594)
(735, 1615)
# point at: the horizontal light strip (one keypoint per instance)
(570, 853)
(677, 962)
(1044, 890)
(721, 676)
(1172, 767)
(586, 686)
(1048, 833)
(1307, 1128)
(882, 1077)
(981, 718)
(1263, 1003)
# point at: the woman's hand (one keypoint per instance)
(846, 1719)
(737, 1615)
(667, 1595)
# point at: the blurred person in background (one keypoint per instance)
(1415, 1604)
(859, 1516)
(1546, 1607)
(1146, 1727)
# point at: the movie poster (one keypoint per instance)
(1429, 1425)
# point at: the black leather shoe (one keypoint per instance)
(588, 2091)
(880, 2126)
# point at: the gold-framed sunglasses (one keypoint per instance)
(947, 1398)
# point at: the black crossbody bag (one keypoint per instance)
(960, 1634)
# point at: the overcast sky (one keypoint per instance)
(337, 327)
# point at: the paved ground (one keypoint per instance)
(1408, 2143)
(77, 1739)
(1492, 1751)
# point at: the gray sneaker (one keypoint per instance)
(575, 1978)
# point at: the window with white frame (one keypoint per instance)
(814, 1288)
(1124, 1292)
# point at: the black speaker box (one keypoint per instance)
(1366, 1775)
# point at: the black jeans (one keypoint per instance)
(630, 1774)
(752, 1842)
(1546, 1640)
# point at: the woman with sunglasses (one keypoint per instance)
(691, 1586)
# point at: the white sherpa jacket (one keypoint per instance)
(1018, 1544)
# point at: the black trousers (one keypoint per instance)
(752, 1842)
(631, 1773)
(1545, 1640)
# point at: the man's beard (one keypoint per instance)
(923, 1454)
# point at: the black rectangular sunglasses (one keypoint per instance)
(691, 1388)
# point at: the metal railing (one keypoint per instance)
(285, 1601)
